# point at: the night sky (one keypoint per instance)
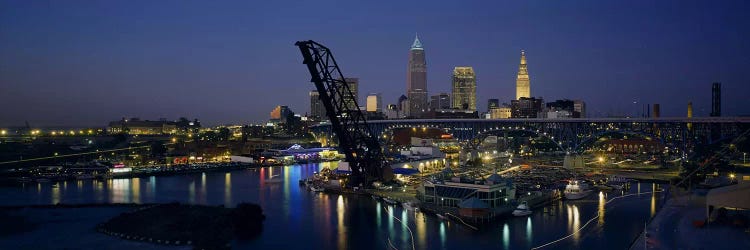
(70, 63)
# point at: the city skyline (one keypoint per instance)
(99, 71)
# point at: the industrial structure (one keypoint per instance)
(361, 149)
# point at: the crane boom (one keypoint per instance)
(361, 149)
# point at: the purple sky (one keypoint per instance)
(85, 63)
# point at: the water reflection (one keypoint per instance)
(340, 210)
(203, 192)
(653, 199)
(528, 230)
(574, 221)
(136, 190)
(404, 224)
(55, 195)
(602, 203)
(191, 192)
(421, 224)
(377, 213)
(227, 189)
(119, 191)
(506, 236)
(98, 190)
(442, 234)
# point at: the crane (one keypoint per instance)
(361, 149)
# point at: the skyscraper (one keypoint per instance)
(716, 99)
(440, 101)
(317, 110)
(416, 80)
(492, 104)
(374, 102)
(464, 88)
(523, 85)
(353, 100)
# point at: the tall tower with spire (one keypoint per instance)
(523, 86)
(416, 80)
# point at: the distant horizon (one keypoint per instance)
(77, 65)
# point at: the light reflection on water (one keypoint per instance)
(341, 229)
(420, 222)
(227, 189)
(290, 208)
(653, 199)
(443, 237)
(529, 235)
(602, 203)
(506, 236)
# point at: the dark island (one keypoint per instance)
(203, 227)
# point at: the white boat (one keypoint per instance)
(577, 190)
(317, 189)
(84, 177)
(273, 179)
(522, 210)
(409, 206)
(442, 217)
(389, 201)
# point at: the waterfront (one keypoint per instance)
(299, 219)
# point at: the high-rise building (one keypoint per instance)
(657, 111)
(440, 101)
(523, 85)
(392, 112)
(579, 109)
(374, 102)
(280, 113)
(492, 104)
(416, 80)
(354, 88)
(464, 88)
(317, 110)
(500, 113)
(403, 106)
(526, 107)
(690, 115)
(716, 99)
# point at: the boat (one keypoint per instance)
(84, 177)
(522, 210)
(273, 179)
(389, 201)
(409, 206)
(42, 180)
(374, 197)
(317, 189)
(577, 189)
(442, 217)
(617, 182)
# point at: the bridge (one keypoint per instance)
(569, 134)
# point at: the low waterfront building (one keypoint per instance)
(135, 126)
(495, 191)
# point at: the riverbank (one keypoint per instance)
(204, 227)
(65, 227)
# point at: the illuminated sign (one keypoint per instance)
(121, 170)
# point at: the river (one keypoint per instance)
(299, 219)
